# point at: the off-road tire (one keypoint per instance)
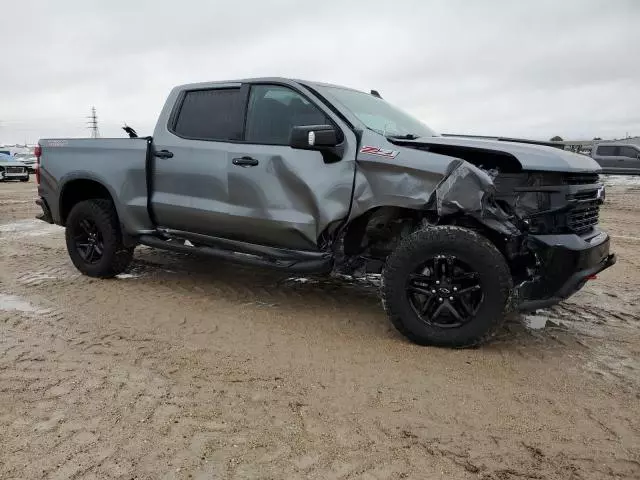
(475, 250)
(116, 258)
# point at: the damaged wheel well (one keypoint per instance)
(381, 227)
(370, 238)
(384, 226)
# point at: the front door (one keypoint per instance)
(278, 195)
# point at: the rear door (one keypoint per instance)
(278, 195)
(191, 189)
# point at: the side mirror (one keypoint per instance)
(313, 137)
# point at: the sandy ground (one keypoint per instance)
(190, 368)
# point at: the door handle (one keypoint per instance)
(163, 154)
(245, 162)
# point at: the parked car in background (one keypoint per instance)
(28, 159)
(618, 158)
(10, 169)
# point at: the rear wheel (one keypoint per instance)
(94, 240)
(446, 286)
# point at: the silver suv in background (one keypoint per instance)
(618, 158)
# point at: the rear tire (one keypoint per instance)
(94, 239)
(446, 286)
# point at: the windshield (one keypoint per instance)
(378, 115)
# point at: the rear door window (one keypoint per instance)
(607, 151)
(215, 114)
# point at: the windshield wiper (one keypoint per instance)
(406, 136)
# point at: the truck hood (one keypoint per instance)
(530, 156)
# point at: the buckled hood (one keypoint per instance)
(530, 156)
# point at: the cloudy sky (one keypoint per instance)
(533, 68)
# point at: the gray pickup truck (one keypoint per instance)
(313, 178)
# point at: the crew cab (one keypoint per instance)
(313, 178)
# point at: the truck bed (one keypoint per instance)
(117, 163)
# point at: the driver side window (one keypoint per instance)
(274, 110)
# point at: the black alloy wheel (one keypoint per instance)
(445, 291)
(446, 285)
(88, 240)
(94, 239)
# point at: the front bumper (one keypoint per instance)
(565, 264)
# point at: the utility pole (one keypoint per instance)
(93, 123)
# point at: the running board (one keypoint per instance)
(297, 262)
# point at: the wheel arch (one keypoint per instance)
(357, 229)
(78, 189)
(375, 220)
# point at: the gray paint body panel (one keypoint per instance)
(117, 164)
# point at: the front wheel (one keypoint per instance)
(446, 286)
(94, 240)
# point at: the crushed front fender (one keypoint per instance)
(468, 190)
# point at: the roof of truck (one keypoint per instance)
(259, 80)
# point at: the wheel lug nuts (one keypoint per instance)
(450, 298)
(437, 282)
(441, 300)
(433, 291)
(455, 289)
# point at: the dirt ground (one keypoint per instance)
(191, 368)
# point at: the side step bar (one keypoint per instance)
(306, 262)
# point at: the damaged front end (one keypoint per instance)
(545, 223)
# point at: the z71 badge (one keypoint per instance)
(381, 152)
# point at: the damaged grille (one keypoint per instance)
(583, 215)
(552, 203)
(582, 220)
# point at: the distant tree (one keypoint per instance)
(557, 138)
(597, 138)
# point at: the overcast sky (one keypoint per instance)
(532, 68)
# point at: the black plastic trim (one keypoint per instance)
(45, 216)
(149, 170)
(244, 247)
(317, 265)
(571, 286)
(566, 261)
